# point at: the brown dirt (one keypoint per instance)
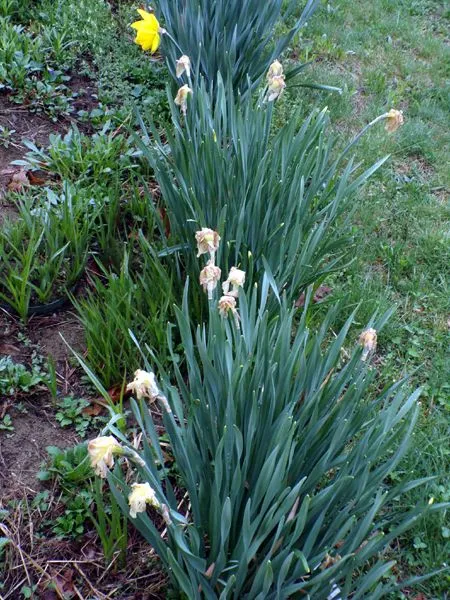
(23, 450)
(37, 127)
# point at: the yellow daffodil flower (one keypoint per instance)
(147, 31)
(141, 495)
(101, 451)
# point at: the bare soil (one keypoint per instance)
(23, 450)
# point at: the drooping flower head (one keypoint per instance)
(275, 70)
(209, 276)
(227, 304)
(101, 451)
(141, 495)
(236, 279)
(207, 241)
(181, 98)
(148, 31)
(368, 340)
(183, 65)
(394, 120)
(144, 385)
(275, 88)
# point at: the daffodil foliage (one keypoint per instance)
(274, 195)
(233, 37)
(281, 458)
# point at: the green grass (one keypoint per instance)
(394, 55)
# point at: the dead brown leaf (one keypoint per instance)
(18, 181)
(322, 292)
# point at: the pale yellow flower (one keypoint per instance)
(368, 340)
(144, 385)
(183, 65)
(209, 276)
(227, 304)
(147, 31)
(275, 88)
(181, 97)
(141, 495)
(275, 70)
(394, 120)
(101, 451)
(207, 241)
(236, 279)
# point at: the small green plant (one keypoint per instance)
(45, 249)
(17, 377)
(138, 299)
(72, 523)
(70, 414)
(81, 158)
(6, 423)
(6, 136)
(71, 467)
(110, 524)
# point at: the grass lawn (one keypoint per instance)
(395, 54)
(73, 62)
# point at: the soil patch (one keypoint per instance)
(23, 450)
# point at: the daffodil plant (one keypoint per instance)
(273, 196)
(281, 460)
(232, 37)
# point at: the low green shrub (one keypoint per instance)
(281, 458)
(82, 158)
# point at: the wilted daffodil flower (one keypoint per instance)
(101, 451)
(368, 340)
(275, 70)
(181, 98)
(275, 88)
(227, 304)
(236, 279)
(183, 64)
(394, 119)
(141, 495)
(209, 276)
(144, 385)
(148, 31)
(207, 241)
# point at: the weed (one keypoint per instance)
(70, 414)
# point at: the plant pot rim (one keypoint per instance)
(44, 309)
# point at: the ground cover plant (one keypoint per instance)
(223, 359)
